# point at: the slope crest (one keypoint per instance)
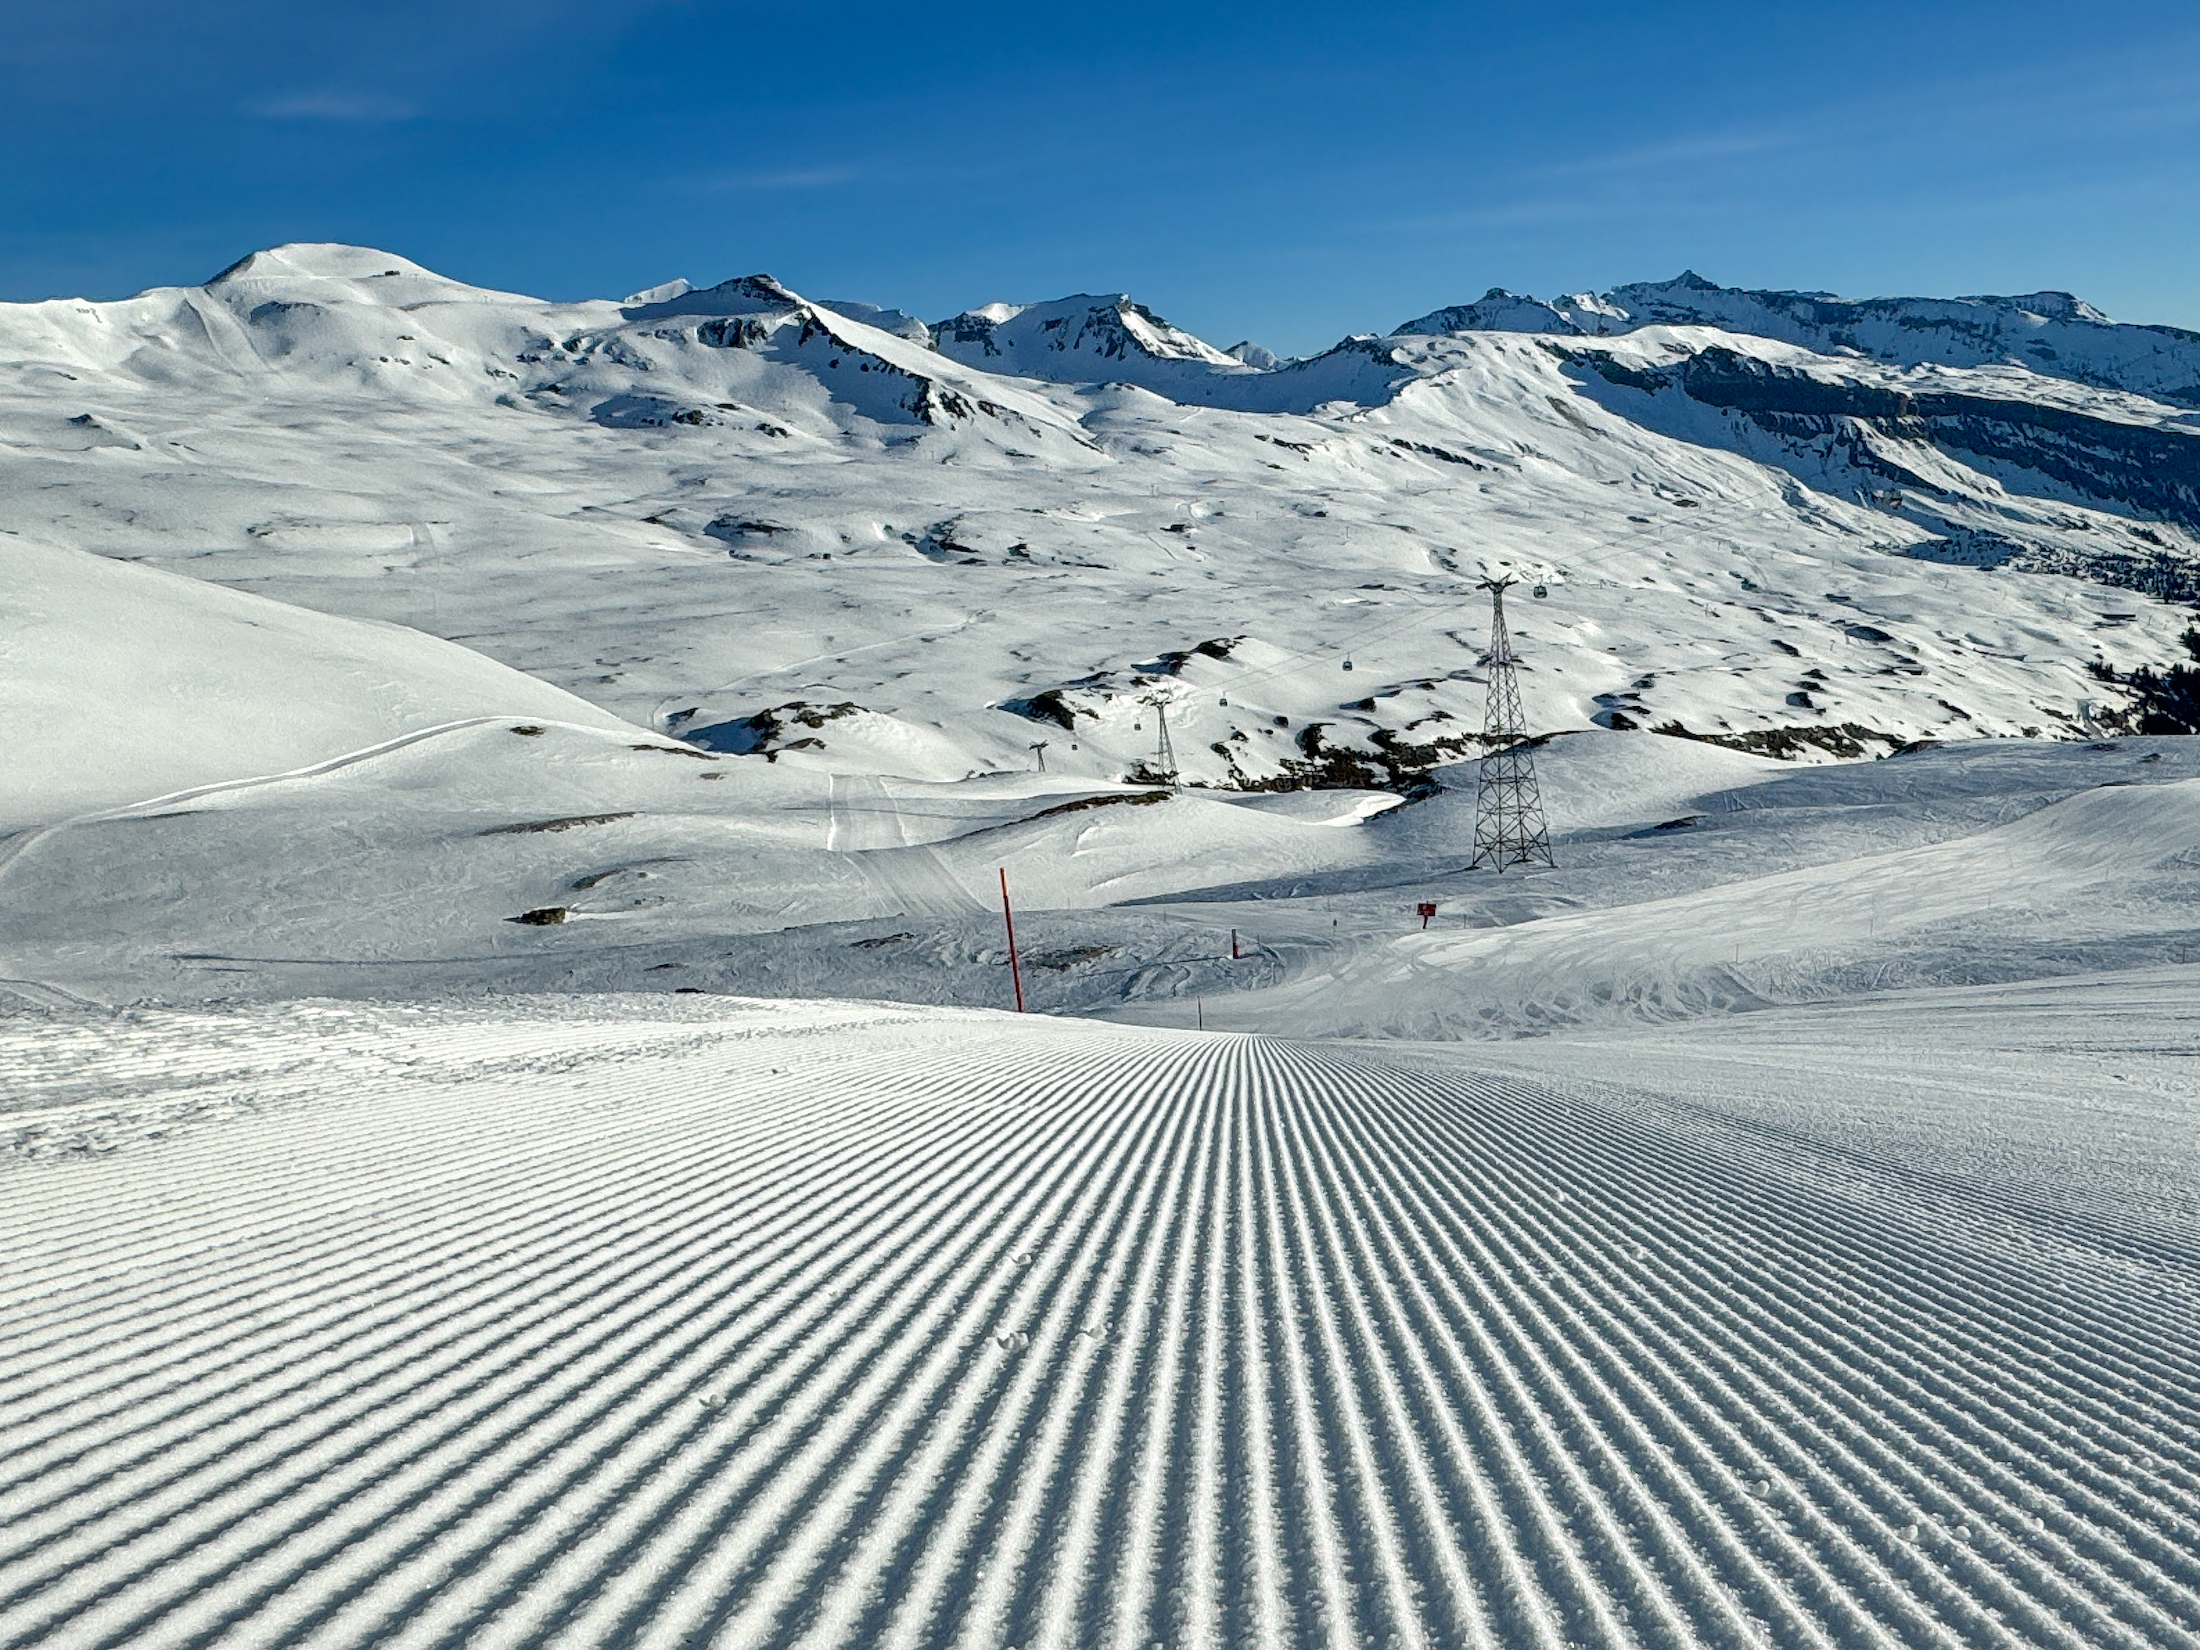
(124, 682)
(365, 273)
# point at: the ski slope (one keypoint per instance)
(418, 1229)
(680, 1321)
(2104, 874)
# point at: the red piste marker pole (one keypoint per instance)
(1008, 916)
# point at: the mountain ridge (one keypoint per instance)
(736, 508)
(2056, 334)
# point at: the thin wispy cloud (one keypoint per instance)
(1688, 151)
(354, 108)
(2100, 93)
(813, 177)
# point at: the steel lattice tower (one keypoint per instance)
(1165, 756)
(1508, 808)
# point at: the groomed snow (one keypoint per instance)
(626, 1321)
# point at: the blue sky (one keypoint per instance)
(1287, 172)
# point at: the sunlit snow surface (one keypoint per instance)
(616, 1321)
(473, 1170)
(697, 507)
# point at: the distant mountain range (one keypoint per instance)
(2051, 333)
(831, 531)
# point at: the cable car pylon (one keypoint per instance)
(1508, 806)
(1165, 755)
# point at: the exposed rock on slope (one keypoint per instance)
(1998, 467)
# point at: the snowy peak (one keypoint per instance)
(898, 322)
(1495, 311)
(748, 353)
(2053, 333)
(326, 270)
(1813, 318)
(757, 294)
(1086, 338)
(720, 356)
(660, 294)
(317, 261)
(2053, 306)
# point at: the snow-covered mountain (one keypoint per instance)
(827, 534)
(2050, 333)
(1980, 419)
(1087, 339)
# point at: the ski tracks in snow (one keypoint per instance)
(817, 1325)
(911, 879)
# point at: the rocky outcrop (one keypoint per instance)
(2147, 468)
